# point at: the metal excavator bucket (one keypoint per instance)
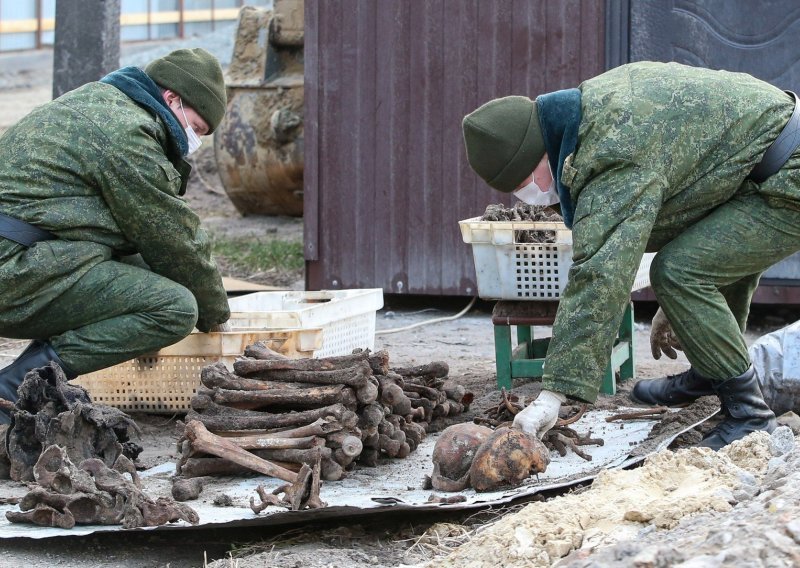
(259, 144)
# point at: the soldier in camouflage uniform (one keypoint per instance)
(652, 157)
(120, 265)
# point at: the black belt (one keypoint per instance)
(780, 150)
(22, 232)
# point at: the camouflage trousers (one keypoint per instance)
(705, 278)
(113, 313)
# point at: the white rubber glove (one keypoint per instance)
(662, 338)
(540, 415)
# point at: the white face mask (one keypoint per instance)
(191, 136)
(532, 194)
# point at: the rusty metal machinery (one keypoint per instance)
(259, 144)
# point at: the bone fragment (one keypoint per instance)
(44, 516)
(204, 441)
(369, 457)
(442, 409)
(379, 362)
(187, 489)
(391, 394)
(343, 459)
(267, 443)
(453, 390)
(202, 467)
(351, 445)
(390, 446)
(434, 370)
(426, 405)
(370, 438)
(320, 427)
(367, 394)
(430, 393)
(386, 428)
(260, 350)
(287, 398)
(212, 378)
(219, 417)
(355, 376)
(371, 415)
(417, 414)
(267, 499)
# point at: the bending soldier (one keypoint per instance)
(653, 157)
(100, 258)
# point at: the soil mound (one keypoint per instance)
(669, 487)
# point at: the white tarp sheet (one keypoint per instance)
(393, 485)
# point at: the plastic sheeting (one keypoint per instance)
(776, 358)
(394, 485)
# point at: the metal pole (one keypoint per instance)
(38, 24)
(180, 19)
(86, 42)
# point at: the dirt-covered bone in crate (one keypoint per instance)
(335, 411)
(525, 253)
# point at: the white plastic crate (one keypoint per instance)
(509, 270)
(346, 317)
(165, 381)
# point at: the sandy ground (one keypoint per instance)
(466, 344)
(11, 111)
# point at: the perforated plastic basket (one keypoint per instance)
(511, 270)
(346, 317)
(164, 382)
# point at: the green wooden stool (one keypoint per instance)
(526, 360)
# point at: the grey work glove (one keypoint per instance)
(540, 415)
(662, 338)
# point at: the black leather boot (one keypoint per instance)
(675, 390)
(36, 354)
(744, 409)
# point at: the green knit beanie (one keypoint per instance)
(504, 141)
(196, 76)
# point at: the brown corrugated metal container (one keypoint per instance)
(387, 84)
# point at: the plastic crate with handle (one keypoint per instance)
(508, 269)
(164, 382)
(346, 317)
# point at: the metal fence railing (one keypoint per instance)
(30, 24)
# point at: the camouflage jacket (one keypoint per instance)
(660, 146)
(91, 168)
